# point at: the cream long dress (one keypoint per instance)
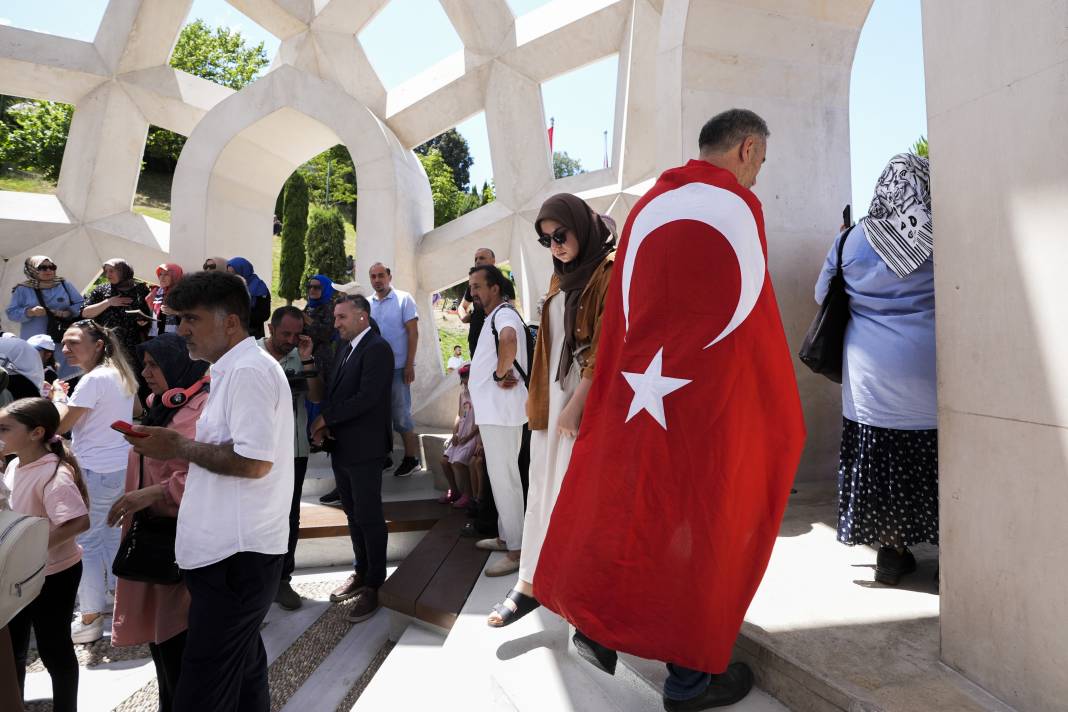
(550, 452)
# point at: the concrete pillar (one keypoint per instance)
(791, 65)
(997, 95)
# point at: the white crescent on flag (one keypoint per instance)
(721, 210)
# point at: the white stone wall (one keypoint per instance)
(997, 98)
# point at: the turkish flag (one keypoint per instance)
(691, 435)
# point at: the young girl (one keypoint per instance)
(45, 481)
(103, 395)
(456, 460)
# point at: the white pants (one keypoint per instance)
(502, 444)
(101, 542)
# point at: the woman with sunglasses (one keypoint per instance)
(214, 263)
(583, 251)
(319, 321)
(45, 304)
(103, 395)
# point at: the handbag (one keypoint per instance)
(825, 340)
(56, 326)
(23, 557)
(146, 553)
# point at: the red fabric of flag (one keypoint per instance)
(691, 435)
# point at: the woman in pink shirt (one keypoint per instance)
(45, 481)
(158, 614)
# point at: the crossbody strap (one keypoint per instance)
(497, 340)
(841, 247)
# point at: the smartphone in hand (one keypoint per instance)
(126, 429)
(847, 216)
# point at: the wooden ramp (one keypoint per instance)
(319, 520)
(433, 583)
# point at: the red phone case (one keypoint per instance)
(126, 429)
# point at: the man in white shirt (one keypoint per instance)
(456, 360)
(232, 532)
(499, 397)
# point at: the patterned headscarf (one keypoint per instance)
(898, 223)
(30, 269)
(157, 294)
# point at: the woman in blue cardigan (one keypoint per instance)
(44, 296)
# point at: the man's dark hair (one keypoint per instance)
(726, 130)
(212, 289)
(282, 312)
(357, 300)
(494, 277)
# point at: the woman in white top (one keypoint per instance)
(103, 395)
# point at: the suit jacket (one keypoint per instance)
(358, 402)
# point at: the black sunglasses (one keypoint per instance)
(46, 266)
(559, 236)
(210, 265)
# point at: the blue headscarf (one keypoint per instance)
(256, 287)
(328, 290)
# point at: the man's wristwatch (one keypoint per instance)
(497, 378)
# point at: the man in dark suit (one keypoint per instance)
(357, 419)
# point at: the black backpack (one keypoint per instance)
(532, 336)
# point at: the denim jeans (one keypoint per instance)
(101, 542)
(401, 405)
(684, 684)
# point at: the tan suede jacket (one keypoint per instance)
(587, 335)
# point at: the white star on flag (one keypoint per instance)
(650, 388)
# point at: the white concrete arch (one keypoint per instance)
(242, 151)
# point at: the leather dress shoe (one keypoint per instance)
(347, 590)
(724, 689)
(365, 606)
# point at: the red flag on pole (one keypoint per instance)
(691, 436)
(552, 123)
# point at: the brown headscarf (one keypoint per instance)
(596, 240)
(125, 270)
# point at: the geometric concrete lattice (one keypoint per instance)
(679, 62)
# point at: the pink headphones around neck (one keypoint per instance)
(177, 397)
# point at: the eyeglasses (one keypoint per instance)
(46, 268)
(559, 236)
(209, 265)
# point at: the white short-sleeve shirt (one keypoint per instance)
(106, 399)
(250, 406)
(495, 405)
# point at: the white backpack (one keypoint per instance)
(23, 557)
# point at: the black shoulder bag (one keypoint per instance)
(56, 327)
(146, 553)
(825, 340)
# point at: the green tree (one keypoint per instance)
(294, 226)
(33, 135)
(920, 147)
(448, 199)
(564, 165)
(336, 163)
(325, 244)
(220, 55)
(457, 155)
(488, 193)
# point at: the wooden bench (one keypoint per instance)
(319, 520)
(433, 583)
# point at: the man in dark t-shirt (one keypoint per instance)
(473, 315)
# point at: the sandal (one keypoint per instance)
(524, 604)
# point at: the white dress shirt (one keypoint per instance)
(250, 406)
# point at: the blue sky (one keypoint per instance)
(887, 104)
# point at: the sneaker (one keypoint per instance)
(331, 497)
(462, 503)
(448, 498)
(87, 632)
(408, 466)
(365, 606)
(287, 598)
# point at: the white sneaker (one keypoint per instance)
(87, 632)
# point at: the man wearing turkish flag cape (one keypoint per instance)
(691, 435)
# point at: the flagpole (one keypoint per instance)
(606, 148)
